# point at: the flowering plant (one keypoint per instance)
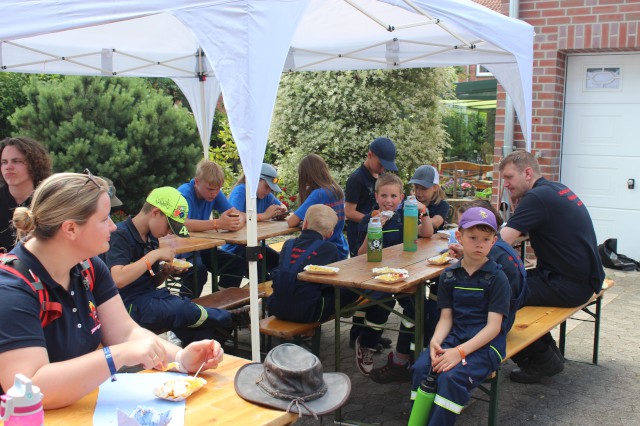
(289, 201)
(119, 216)
(465, 186)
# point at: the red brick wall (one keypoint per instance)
(564, 27)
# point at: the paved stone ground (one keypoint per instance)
(583, 394)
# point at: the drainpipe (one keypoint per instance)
(509, 112)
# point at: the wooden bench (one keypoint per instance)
(288, 330)
(533, 322)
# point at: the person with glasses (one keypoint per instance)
(204, 195)
(65, 229)
(267, 206)
(24, 163)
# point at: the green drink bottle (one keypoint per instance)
(410, 235)
(374, 240)
(424, 401)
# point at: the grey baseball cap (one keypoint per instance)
(426, 176)
(270, 175)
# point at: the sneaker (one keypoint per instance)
(384, 343)
(364, 358)
(391, 372)
(240, 317)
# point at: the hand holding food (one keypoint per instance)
(179, 389)
(441, 259)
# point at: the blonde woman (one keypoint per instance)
(67, 223)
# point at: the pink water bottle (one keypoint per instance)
(22, 405)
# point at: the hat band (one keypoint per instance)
(262, 384)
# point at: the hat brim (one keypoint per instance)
(338, 391)
(179, 229)
(115, 201)
(274, 186)
(388, 165)
(421, 182)
(468, 225)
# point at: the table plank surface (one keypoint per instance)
(266, 229)
(216, 403)
(186, 245)
(356, 272)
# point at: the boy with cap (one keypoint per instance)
(267, 207)
(299, 301)
(204, 196)
(134, 261)
(470, 339)
(360, 200)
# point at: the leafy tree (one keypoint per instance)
(11, 98)
(470, 136)
(120, 128)
(337, 114)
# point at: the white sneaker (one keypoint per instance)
(364, 358)
(171, 336)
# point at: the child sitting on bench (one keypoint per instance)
(469, 342)
(299, 301)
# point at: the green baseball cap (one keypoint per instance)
(174, 206)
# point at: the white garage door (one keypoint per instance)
(601, 143)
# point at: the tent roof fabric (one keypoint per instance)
(248, 43)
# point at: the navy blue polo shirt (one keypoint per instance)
(440, 209)
(8, 206)
(126, 247)
(392, 231)
(509, 264)
(360, 190)
(471, 298)
(561, 232)
(76, 333)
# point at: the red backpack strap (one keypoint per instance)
(49, 311)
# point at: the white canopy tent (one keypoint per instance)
(241, 47)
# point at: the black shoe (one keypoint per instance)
(240, 317)
(544, 364)
(391, 372)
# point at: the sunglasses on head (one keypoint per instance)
(92, 178)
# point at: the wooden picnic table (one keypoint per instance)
(355, 274)
(266, 229)
(187, 245)
(216, 403)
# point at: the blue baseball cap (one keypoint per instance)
(478, 216)
(385, 150)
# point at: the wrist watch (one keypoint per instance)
(425, 214)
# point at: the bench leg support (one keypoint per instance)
(493, 399)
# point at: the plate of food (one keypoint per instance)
(321, 270)
(391, 277)
(179, 389)
(441, 259)
(387, 270)
(179, 263)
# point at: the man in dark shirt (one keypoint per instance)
(25, 163)
(569, 270)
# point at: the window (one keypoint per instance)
(482, 71)
(598, 78)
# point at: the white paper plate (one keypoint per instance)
(321, 270)
(391, 278)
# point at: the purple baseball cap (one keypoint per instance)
(478, 216)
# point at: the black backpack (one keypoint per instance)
(612, 259)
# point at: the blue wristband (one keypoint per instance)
(110, 363)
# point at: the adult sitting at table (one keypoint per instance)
(204, 197)
(267, 207)
(134, 260)
(65, 230)
(25, 163)
(569, 270)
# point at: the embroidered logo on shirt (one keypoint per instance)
(93, 313)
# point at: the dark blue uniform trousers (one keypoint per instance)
(161, 311)
(454, 386)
